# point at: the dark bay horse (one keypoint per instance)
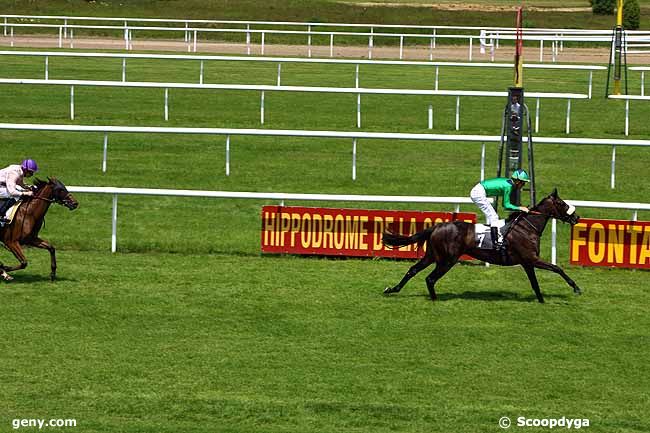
(29, 219)
(446, 242)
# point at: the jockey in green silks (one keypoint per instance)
(498, 187)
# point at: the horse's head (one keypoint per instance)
(554, 206)
(58, 193)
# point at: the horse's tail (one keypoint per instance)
(394, 240)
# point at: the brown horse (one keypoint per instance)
(446, 242)
(29, 219)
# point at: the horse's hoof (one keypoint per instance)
(7, 277)
(388, 290)
(577, 291)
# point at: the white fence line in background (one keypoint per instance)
(643, 70)
(354, 135)
(281, 60)
(627, 99)
(301, 89)
(555, 37)
(282, 197)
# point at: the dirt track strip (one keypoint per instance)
(451, 53)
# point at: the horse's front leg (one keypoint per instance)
(530, 271)
(558, 270)
(4, 275)
(40, 243)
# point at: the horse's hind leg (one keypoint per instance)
(15, 249)
(440, 270)
(40, 243)
(422, 264)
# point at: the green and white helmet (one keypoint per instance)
(521, 175)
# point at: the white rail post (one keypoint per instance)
(554, 242)
(47, 68)
(471, 41)
(5, 27)
(187, 32)
(114, 225)
(358, 110)
(195, 40)
(437, 77)
(354, 159)
(613, 175)
(71, 38)
(126, 36)
(105, 153)
(537, 116)
(431, 49)
(627, 117)
(356, 76)
(457, 113)
(356, 84)
(12, 36)
(166, 104)
(370, 43)
(553, 48)
(483, 161)
(279, 72)
(227, 155)
(262, 49)
(568, 116)
(430, 116)
(262, 109)
(124, 69)
(309, 41)
(201, 74)
(331, 45)
(434, 38)
(642, 83)
(541, 50)
(71, 102)
(60, 36)
(248, 39)
(635, 215)
(401, 47)
(591, 80)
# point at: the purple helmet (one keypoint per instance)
(29, 164)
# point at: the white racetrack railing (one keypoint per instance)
(353, 135)
(282, 197)
(302, 89)
(556, 37)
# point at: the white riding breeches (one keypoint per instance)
(477, 194)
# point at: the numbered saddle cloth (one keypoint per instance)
(483, 237)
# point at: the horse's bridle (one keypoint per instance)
(64, 201)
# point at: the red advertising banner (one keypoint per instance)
(617, 243)
(344, 232)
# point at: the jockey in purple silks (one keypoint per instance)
(12, 185)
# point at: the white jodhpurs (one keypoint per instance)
(477, 194)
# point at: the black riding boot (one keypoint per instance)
(4, 206)
(494, 232)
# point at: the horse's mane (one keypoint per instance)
(513, 216)
(40, 183)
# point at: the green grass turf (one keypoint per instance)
(156, 342)
(189, 329)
